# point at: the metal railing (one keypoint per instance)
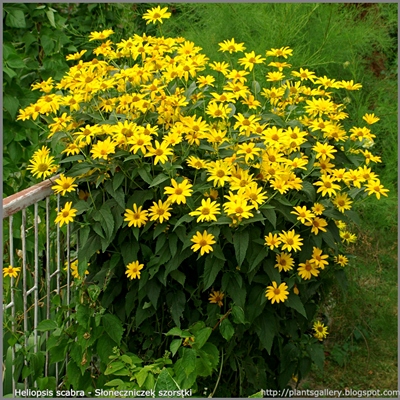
(38, 296)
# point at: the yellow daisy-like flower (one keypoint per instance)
(66, 215)
(160, 211)
(100, 35)
(318, 209)
(274, 76)
(282, 52)
(317, 224)
(348, 237)
(161, 152)
(291, 241)
(207, 211)
(307, 270)
(216, 297)
(41, 166)
(375, 187)
(178, 191)
(318, 258)
(196, 162)
(249, 151)
(156, 14)
(272, 240)
(102, 149)
(133, 270)
(277, 293)
(250, 60)
(203, 242)
(324, 150)
(75, 56)
(11, 271)
(341, 260)
(342, 202)
(327, 185)
(137, 217)
(303, 214)
(231, 46)
(64, 184)
(219, 172)
(284, 262)
(320, 330)
(370, 118)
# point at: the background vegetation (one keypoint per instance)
(344, 41)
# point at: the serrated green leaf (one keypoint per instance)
(226, 329)
(47, 325)
(293, 301)
(15, 19)
(175, 344)
(158, 179)
(201, 337)
(113, 326)
(238, 315)
(240, 243)
(189, 360)
(270, 214)
(316, 352)
(212, 266)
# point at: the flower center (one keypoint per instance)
(277, 291)
(178, 191)
(43, 167)
(220, 173)
(65, 214)
(159, 152)
(205, 211)
(203, 242)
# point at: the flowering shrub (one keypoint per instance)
(213, 208)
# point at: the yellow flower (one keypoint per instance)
(66, 215)
(161, 152)
(178, 191)
(284, 262)
(272, 240)
(100, 35)
(250, 59)
(156, 14)
(327, 186)
(64, 184)
(350, 85)
(290, 240)
(237, 206)
(318, 259)
(207, 211)
(219, 172)
(374, 186)
(320, 330)
(274, 76)
(277, 293)
(231, 46)
(74, 269)
(342, 202)
(282, 52)
(303, 214)
(341, 260)
(307, 270)
(102, 149)
(348, 237)
(370, 118)
(133, 270)
(196, 162)
(159, 211)
(75, 56)
(137, 217)
(249, 150)
(216, 297)
(304, 74)
(317, 224)
(318, 208)
(324, 150)
(41, 166)
(10, 271)
(203, 242)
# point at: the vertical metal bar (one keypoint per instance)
(36, 278)
(24, 294)
(48, 283)
(11, 239)
(58, 276)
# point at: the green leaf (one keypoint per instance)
(177, 306)
(175, 344)
(309, 190)
(174, 332)
(47, 44)
(47, 325)
(270, 214)
(144, 174)
(72, 158)
(179, 277)
(50, 16)
(240, 243)
(293, 301)
(263, 253)
(212, 266)
(238, 315)
(185, 218)
(226, 329)
(79, 169)
(316, 352)
(201, 337)
(10, 72)
(272, 272)
(15, 18)
(266, 330)
(113, 326)
(189, 360)
(158, 179)
(11, 104)
(165, 382)
(107, 220)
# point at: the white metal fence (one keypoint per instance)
(36, 283)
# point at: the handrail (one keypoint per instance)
(27, 197)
